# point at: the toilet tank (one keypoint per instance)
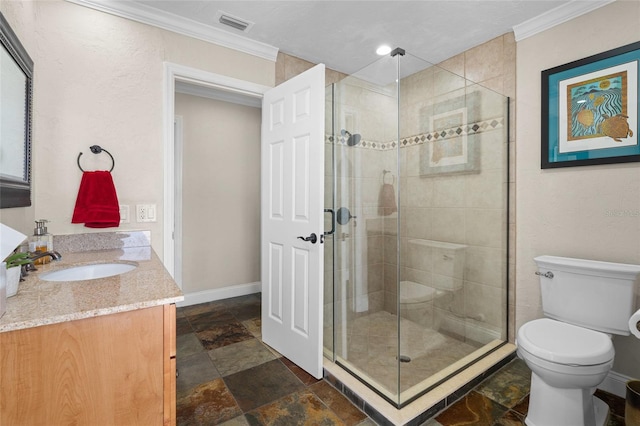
(441, 261)
(589, 293)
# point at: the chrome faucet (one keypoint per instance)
(35, 256)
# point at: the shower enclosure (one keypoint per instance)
(416, 179)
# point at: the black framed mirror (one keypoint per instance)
(16, 98)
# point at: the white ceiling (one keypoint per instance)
(344, 34)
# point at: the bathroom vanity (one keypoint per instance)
(99, 351)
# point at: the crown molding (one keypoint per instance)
(170, 22)
(557, 16)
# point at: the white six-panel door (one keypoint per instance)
(292, 206)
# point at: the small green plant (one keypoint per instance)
(18, 259)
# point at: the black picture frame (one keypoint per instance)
(590, 111)
(15, 184)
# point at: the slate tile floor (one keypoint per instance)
(228, 376)
(503, 400)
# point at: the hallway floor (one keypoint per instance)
(228, 376)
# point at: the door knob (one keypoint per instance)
(311, 238)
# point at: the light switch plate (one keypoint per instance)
(124, 213)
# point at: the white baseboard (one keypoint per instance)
(220, 293)
(615, 383)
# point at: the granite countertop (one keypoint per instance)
(40, 302)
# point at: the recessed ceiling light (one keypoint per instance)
(383, 50)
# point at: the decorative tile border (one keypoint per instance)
(467, 129)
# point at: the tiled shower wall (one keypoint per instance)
(466, 209)
(493, 65)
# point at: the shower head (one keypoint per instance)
(352, 139)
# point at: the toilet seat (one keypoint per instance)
(412, 293)
(564, 343)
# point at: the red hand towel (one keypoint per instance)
(97, 203)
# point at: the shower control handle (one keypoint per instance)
(311, 238)
(343, 216)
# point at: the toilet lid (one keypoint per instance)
(564, 343)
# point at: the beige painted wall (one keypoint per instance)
(221, 193)
(98, 80)
(564, 212)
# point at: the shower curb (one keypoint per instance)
(504, 356)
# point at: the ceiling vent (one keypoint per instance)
(234, 22)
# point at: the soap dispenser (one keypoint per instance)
(41, 241)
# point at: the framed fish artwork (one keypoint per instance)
(590, 110)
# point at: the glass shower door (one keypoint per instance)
(365, 199)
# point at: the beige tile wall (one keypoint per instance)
(288, 66)
(465, 209)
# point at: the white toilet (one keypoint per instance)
(570, 352)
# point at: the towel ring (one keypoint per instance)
(384, 175)
(96, 149)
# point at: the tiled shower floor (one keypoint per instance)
(228, 376)
(372, 349)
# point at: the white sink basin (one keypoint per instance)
(88, 272)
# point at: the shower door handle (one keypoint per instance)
(333, 222)
(311, 238)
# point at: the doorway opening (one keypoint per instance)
(187, 81)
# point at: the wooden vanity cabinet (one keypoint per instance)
(116, 369)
